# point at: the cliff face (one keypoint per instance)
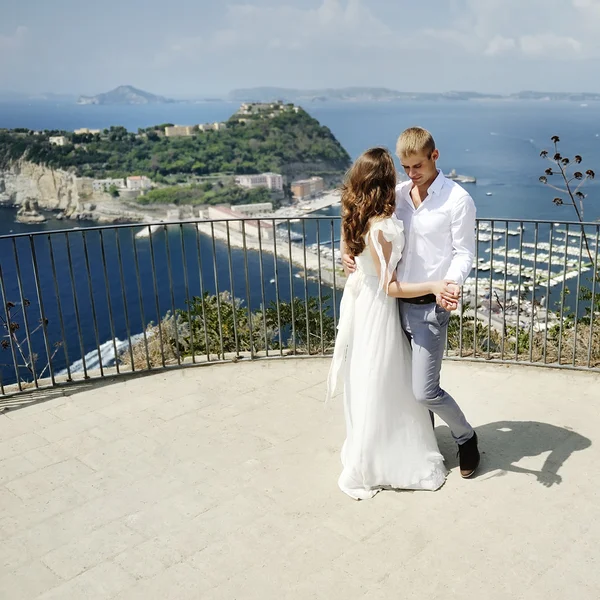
(26, 184)
(51, 189)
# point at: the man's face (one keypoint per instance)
(420, 168)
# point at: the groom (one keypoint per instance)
(439, 225)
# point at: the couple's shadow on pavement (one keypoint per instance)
(504, 444)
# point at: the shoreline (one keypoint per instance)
(311, 265)
(115, 211)
(301, 256)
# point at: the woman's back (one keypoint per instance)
(393, 231)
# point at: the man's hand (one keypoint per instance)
(349, 264)
(448, 295)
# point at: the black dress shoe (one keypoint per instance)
(469, 457)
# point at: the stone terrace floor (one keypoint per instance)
(220, 483)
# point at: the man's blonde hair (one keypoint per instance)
(415, 140)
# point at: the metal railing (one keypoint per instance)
(98, 302)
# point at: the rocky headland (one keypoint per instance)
(33, 188)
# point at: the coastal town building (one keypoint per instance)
(250, 227)
(307, 188)
(260, 208)
(213, 126)
(272, 181)
(103, 185)
(189, 130)
(139, 183)
(58, 140)
(84, 130)
(252, 110)
(180, 131)
(221, 212)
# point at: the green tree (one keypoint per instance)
(219, 325)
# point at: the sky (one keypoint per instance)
(200, 48)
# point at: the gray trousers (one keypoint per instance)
(426, 326)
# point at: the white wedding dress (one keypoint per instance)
(389, 439)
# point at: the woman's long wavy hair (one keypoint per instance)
(368, 192)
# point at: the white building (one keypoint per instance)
(221, 212)
(307, 188)
(260, 208)
(212, 126)
(103, 185)
(86, 130)
(254, 108)
(58, 140)
(272, 181)
(180, 131)
(139, 182)
(250, 227)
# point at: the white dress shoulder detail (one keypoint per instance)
(389, 439)
(393, 231)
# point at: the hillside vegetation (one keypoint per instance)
(291, 143)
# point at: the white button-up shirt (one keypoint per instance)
(440, 234)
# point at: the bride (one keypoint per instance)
(390, 442)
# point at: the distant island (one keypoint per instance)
(256, 156)
(380, 94)
(124, 94)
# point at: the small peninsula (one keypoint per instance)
(264, 153)
(124, 94)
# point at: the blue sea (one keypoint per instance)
(497, 142)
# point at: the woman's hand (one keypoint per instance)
(349, 264)
(446, 293)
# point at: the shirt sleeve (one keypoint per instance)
(463, 239)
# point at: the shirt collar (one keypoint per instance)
(435, 187)
(438, 183)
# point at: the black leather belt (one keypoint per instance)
(427, 299)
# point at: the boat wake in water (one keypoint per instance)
(106, 357)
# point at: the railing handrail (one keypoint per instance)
(160, 223)
(268, 218)
(223, 261)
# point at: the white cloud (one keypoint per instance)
(500, 45)
(360, 42)
(587, 4)
(540, 45)
(480, 28)
(338, 23)
(13, 51)
(536, 46)
(14, 41)
(454, 37)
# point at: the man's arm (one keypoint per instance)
(397, 289)
(463, 239)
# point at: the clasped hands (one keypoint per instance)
(447, 294)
